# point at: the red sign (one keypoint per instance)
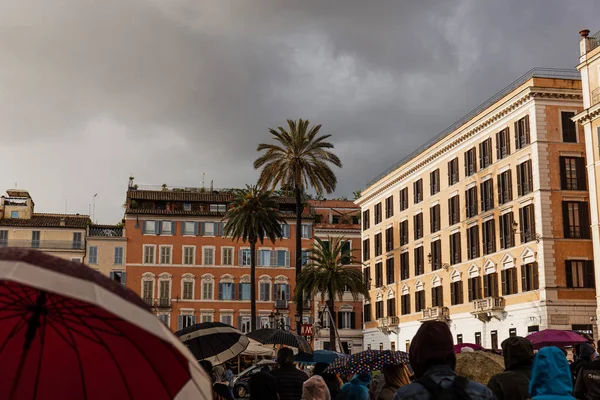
(306, 330)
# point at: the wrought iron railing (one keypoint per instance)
(44, 244)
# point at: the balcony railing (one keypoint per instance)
(488, 308)
(44, 244)
(388, 321)
(595, 96)
(281, 304)
(435, 314)
(164, 303)
(149, 301)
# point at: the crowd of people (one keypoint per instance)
(545, 375)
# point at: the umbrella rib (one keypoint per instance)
(20, 325)
(18, 296)
(39, 369)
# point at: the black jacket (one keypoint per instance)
(588, 381)
(289, 382)
(513, 383)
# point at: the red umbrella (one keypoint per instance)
(554, 337)
(458, 347)
(67, 332)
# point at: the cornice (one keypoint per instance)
(587, 115)
(536, 93)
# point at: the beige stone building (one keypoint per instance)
(589, 119)
(106, 250)
(486, 226)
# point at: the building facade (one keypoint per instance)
(107, 250)
(487, 226)
(589, 119)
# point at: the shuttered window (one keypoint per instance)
(471, 202)
(502, 144)
(455, 250)
(470, 162)
(453, 176)
(509, 281)
(434, 182)
(580, 274)
(404, 265)
(569, 129)
(507, 233)
(419, 262)
(490, 285)
(474, 288)
(572, 173)
(522, 135)
(456, 293)
(403, 233)
(436, 255)
(524, 178)
(453, 210)
(485, 153)
(576, 221)
(529, 277)
(504, 187)
(418, 226)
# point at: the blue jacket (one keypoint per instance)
(550, 376)
(444, 375)
(356, 389)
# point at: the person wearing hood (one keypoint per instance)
(513, 383)
(550, 376)
(585, 352)
(315, 388)
(330, 379)
(587, 384)
(433, 361)
(356, 389)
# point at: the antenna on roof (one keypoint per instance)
(203, 175)
(211, 185)
(65, 206)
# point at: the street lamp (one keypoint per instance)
(271, 320)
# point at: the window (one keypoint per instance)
(379, 274)
(185, 321)
(470, 162)
(437, 296)
(35, 240)
(391, 307)
(474, 288)
(366, 249)
(512, 332)
(208, 256)
(378, 244)
(164, 289)
(366, 220)
(209, 228)
(166, 227)
(580, 274)
(206, 317)
(306, 231)
(367, 277)
(403, 199)
(189, 255)
(225, 291)
(454, 210)
(367, 313)
(118, 256)
(165, 254)
(524, 178)
(419, 262)
(218, 208)
(187, 206)
(93, 255)
(346, 320)
(285, 231)
(522, 137)
(471, 201)
(455, 255)
(264, 291)
(473, 242)
(434, 218)
(494, 338)
(283, 258)
(485, 153)
(490, 285)
(244, 291)
(245, 257)
(14, 214)
(404, 267)
(4, 238)
(478, 338)
(487, 195)
(404, 233)
(529, 277)
(188, 290)
(456, 293)
(389, 270)
(77, 240)
(227, 319)
(149, 254)
(148, 290)
(576, 221)
(527, 218)
(377, 211)
(569, 129)
(509, 281)
(389, 239)
(459, 338)
(190, 228)
(453, 172)
(405, 304)
(306, 257)
(489, 237)
(264, 258)
(419, 300)
(572, 173)
(207, 290)
(379, 309)
(389, 207)
(418, 191)
(149, 227)
(436, 255)
(418, 226)
(434, 182)
(504, 187)
(507, 233)
(502, 144)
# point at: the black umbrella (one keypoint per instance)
(278, 336)
(213, 341)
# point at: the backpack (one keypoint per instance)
(456, 391)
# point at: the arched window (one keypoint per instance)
(208, 282)
(188, 286)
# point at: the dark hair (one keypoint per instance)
(208, 367)
(263, 386)
(285, 356)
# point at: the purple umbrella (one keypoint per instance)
(554, 337)
(458, 347)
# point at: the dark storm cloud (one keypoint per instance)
(92, 92)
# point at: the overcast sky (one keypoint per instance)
(92, 92)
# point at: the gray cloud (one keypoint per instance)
(92, 92)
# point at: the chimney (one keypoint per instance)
(586, 43)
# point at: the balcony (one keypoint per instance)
(281, 304)
(388, 324)
(488, 308)
(149, 301)
(44, 244)
(435, 314)
(164, 303)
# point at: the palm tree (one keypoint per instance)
(252, 217)
(329, 274)
(299, 159)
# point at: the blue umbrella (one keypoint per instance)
(319, 356)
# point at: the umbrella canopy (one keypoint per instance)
(479, 366)
(213, 341)
(554, 337)
(256, 349)
(365, 361)
(458, 347)
(278, 336)
(68, 332)
(319, 356)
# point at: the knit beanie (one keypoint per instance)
(432, 345)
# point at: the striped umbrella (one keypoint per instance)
(278, 336)
(213, 341)
(365, 361)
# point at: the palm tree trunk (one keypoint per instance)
(332, 322)
(253, 285)
(299, 303)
